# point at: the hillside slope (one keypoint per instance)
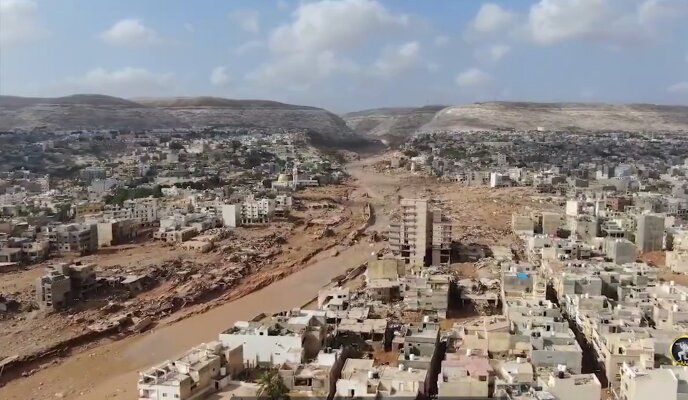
(81, 112)
(392, 125)
(104, 112)
(556, 116)
(205, 111)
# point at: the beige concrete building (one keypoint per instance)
(198, 373)
(638, 383)
(314, 379)
(620, 251)
(522, 224)
(441, 239)
(422, 236)
(410, 238)
(551, 223)
(464, 376)
(566, 386)
(53, 290)
(360, 378)
(650, 232)
(114, 232)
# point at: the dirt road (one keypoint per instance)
(110, 371)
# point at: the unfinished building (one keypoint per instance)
(441, 239)
(410, 237)
(420, 233)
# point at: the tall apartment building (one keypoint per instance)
(650, 232)
(422, 235)
(410, 238)
(441, 239)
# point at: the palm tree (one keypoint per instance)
(270, 385)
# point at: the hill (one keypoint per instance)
(214, 102)
(392, 125)
(105, 112)
(212, 111)
(558, 116)
(81, 112)
(395, 125)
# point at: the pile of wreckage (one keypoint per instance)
(483, 295)
(256, 251)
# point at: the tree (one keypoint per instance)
(270, 384)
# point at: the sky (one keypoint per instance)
(348, 55)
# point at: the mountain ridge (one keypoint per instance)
(395, 125)
(92, 111)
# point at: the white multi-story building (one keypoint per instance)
(144, 209)
(256, 211)
(638, 383)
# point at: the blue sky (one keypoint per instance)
(348, 55)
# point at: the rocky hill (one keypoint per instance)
(104, 112)
(398, 124)
(204, 111)
(80, 112)
(391, 125)
(557, 116)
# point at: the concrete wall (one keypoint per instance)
(105, 236)
(650, 233)
(231, 215)
(467, 387)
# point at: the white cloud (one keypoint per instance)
(396, 60)
(441, 41)
(612, 21)
(492, 54)
(300, 71)
(552, 21)
(249, 46)
(492, 18)
(219, 76)
(189, 27)
(314, 45)
(679, 88)
(246, 20)
(130, 32)
(329, 25)
(125, 82)
(19, 22)
(473, 78)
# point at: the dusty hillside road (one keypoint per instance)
(110, 371)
